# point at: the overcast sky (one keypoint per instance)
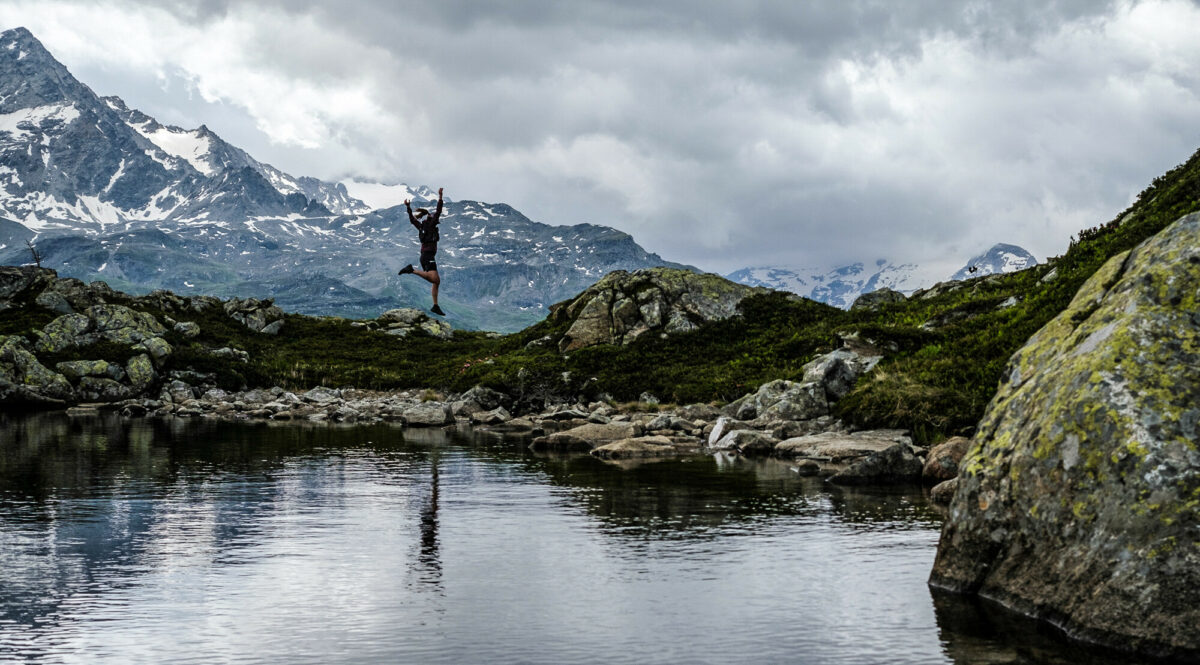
(722, 134)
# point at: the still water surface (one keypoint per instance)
(185, 541)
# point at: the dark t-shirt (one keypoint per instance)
(427, 228)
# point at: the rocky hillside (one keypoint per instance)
(1079, 500)
(111, 194)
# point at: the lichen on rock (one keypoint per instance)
(1079, 500)
(625, 305)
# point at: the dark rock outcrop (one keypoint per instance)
(876, 299)
(625, 305)
(1079, 501)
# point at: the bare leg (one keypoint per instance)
(432, 277)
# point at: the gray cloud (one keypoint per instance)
(722, 134)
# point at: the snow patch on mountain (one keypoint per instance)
(21, 123)
(190, 146)
(377, 195)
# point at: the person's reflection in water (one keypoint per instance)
(429, 561)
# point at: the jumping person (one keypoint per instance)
(427, 232)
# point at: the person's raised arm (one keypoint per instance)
(411, 220)
(437, 215)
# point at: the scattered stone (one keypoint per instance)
(586, 437)
(893, 465)
(540, 343)
(943, 492)
(75, 370)
(230, 354)
(321, 395)
(747, 442)
(55, 302)
(428, 414)
(187, 328)
(807, 468)
(496, 416)
(638, 447)
(253, 313)
(842, 447)
(942, 461)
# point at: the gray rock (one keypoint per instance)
(876, 299)
(942, 461)
(188, 329)
(622, 306)
(842, 447)
(1077, 501)
(16, 280)
(97, 389)
(230, 354)
(943, 492)
(781, 400)
(894, 465)
(637, 448)
(177, 392)
(55, 302)
(487, 398)
(77, 369)
(586, 437)
(807, 468)
(321, 395)
(494, 417)
(540, 343)
(272, 328)
(747, 442)
(405, 315)
(158, 348)
(698, 412)
(28, 376)
(140, 370)
(428, 414)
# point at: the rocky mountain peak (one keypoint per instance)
(1000, 258)
(30, 77)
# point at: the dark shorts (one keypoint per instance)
(427, 261)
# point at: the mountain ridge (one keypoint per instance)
(842, 285)
(92, 179)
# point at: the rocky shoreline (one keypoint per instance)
(819, 446)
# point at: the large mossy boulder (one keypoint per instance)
(1079, 500)
(625, 305)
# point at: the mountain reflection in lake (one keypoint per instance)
(200, 541)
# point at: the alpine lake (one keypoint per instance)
(205, 541)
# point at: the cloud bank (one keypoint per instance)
(720, 134)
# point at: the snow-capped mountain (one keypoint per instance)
(841, 286)
(1000, 258)
(838, 286)
(109, 193)
(73, 162)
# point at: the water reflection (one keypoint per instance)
(202, 541)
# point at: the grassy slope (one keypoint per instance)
(936, 384)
